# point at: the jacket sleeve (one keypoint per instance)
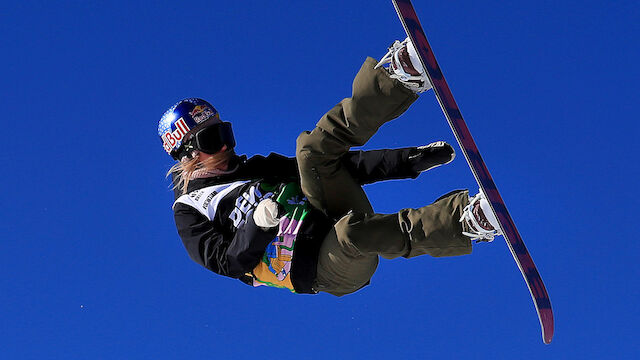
(378, 165)
(278, 168)
(225, 253)
(365, 166)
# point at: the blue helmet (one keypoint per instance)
(182, 129)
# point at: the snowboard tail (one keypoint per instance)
(521, 255)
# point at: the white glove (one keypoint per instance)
(266, 214)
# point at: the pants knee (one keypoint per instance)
(301, 143)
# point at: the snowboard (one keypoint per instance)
(521, 255)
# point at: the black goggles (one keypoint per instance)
(210, 139)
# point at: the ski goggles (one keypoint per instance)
(209, 140)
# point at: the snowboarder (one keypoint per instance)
(306, 224)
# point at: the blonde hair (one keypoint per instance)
(185, 168)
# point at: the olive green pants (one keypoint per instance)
(349, 254)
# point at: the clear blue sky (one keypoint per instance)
(92, 264)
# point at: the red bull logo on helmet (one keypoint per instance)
(201, 113)
(172, 139)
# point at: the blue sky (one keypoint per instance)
(92, 264)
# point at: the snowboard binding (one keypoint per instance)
(480, 220)
(405, 66)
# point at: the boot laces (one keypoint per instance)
(478, 222)
(418, 83)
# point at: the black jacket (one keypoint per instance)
(214, 219)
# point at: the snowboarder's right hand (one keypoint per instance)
(427, 157)
(267, 214)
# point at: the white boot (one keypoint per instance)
(405, 65)
(479, 217)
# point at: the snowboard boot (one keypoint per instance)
(480, 220)
(427, 157)
(405, 66)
